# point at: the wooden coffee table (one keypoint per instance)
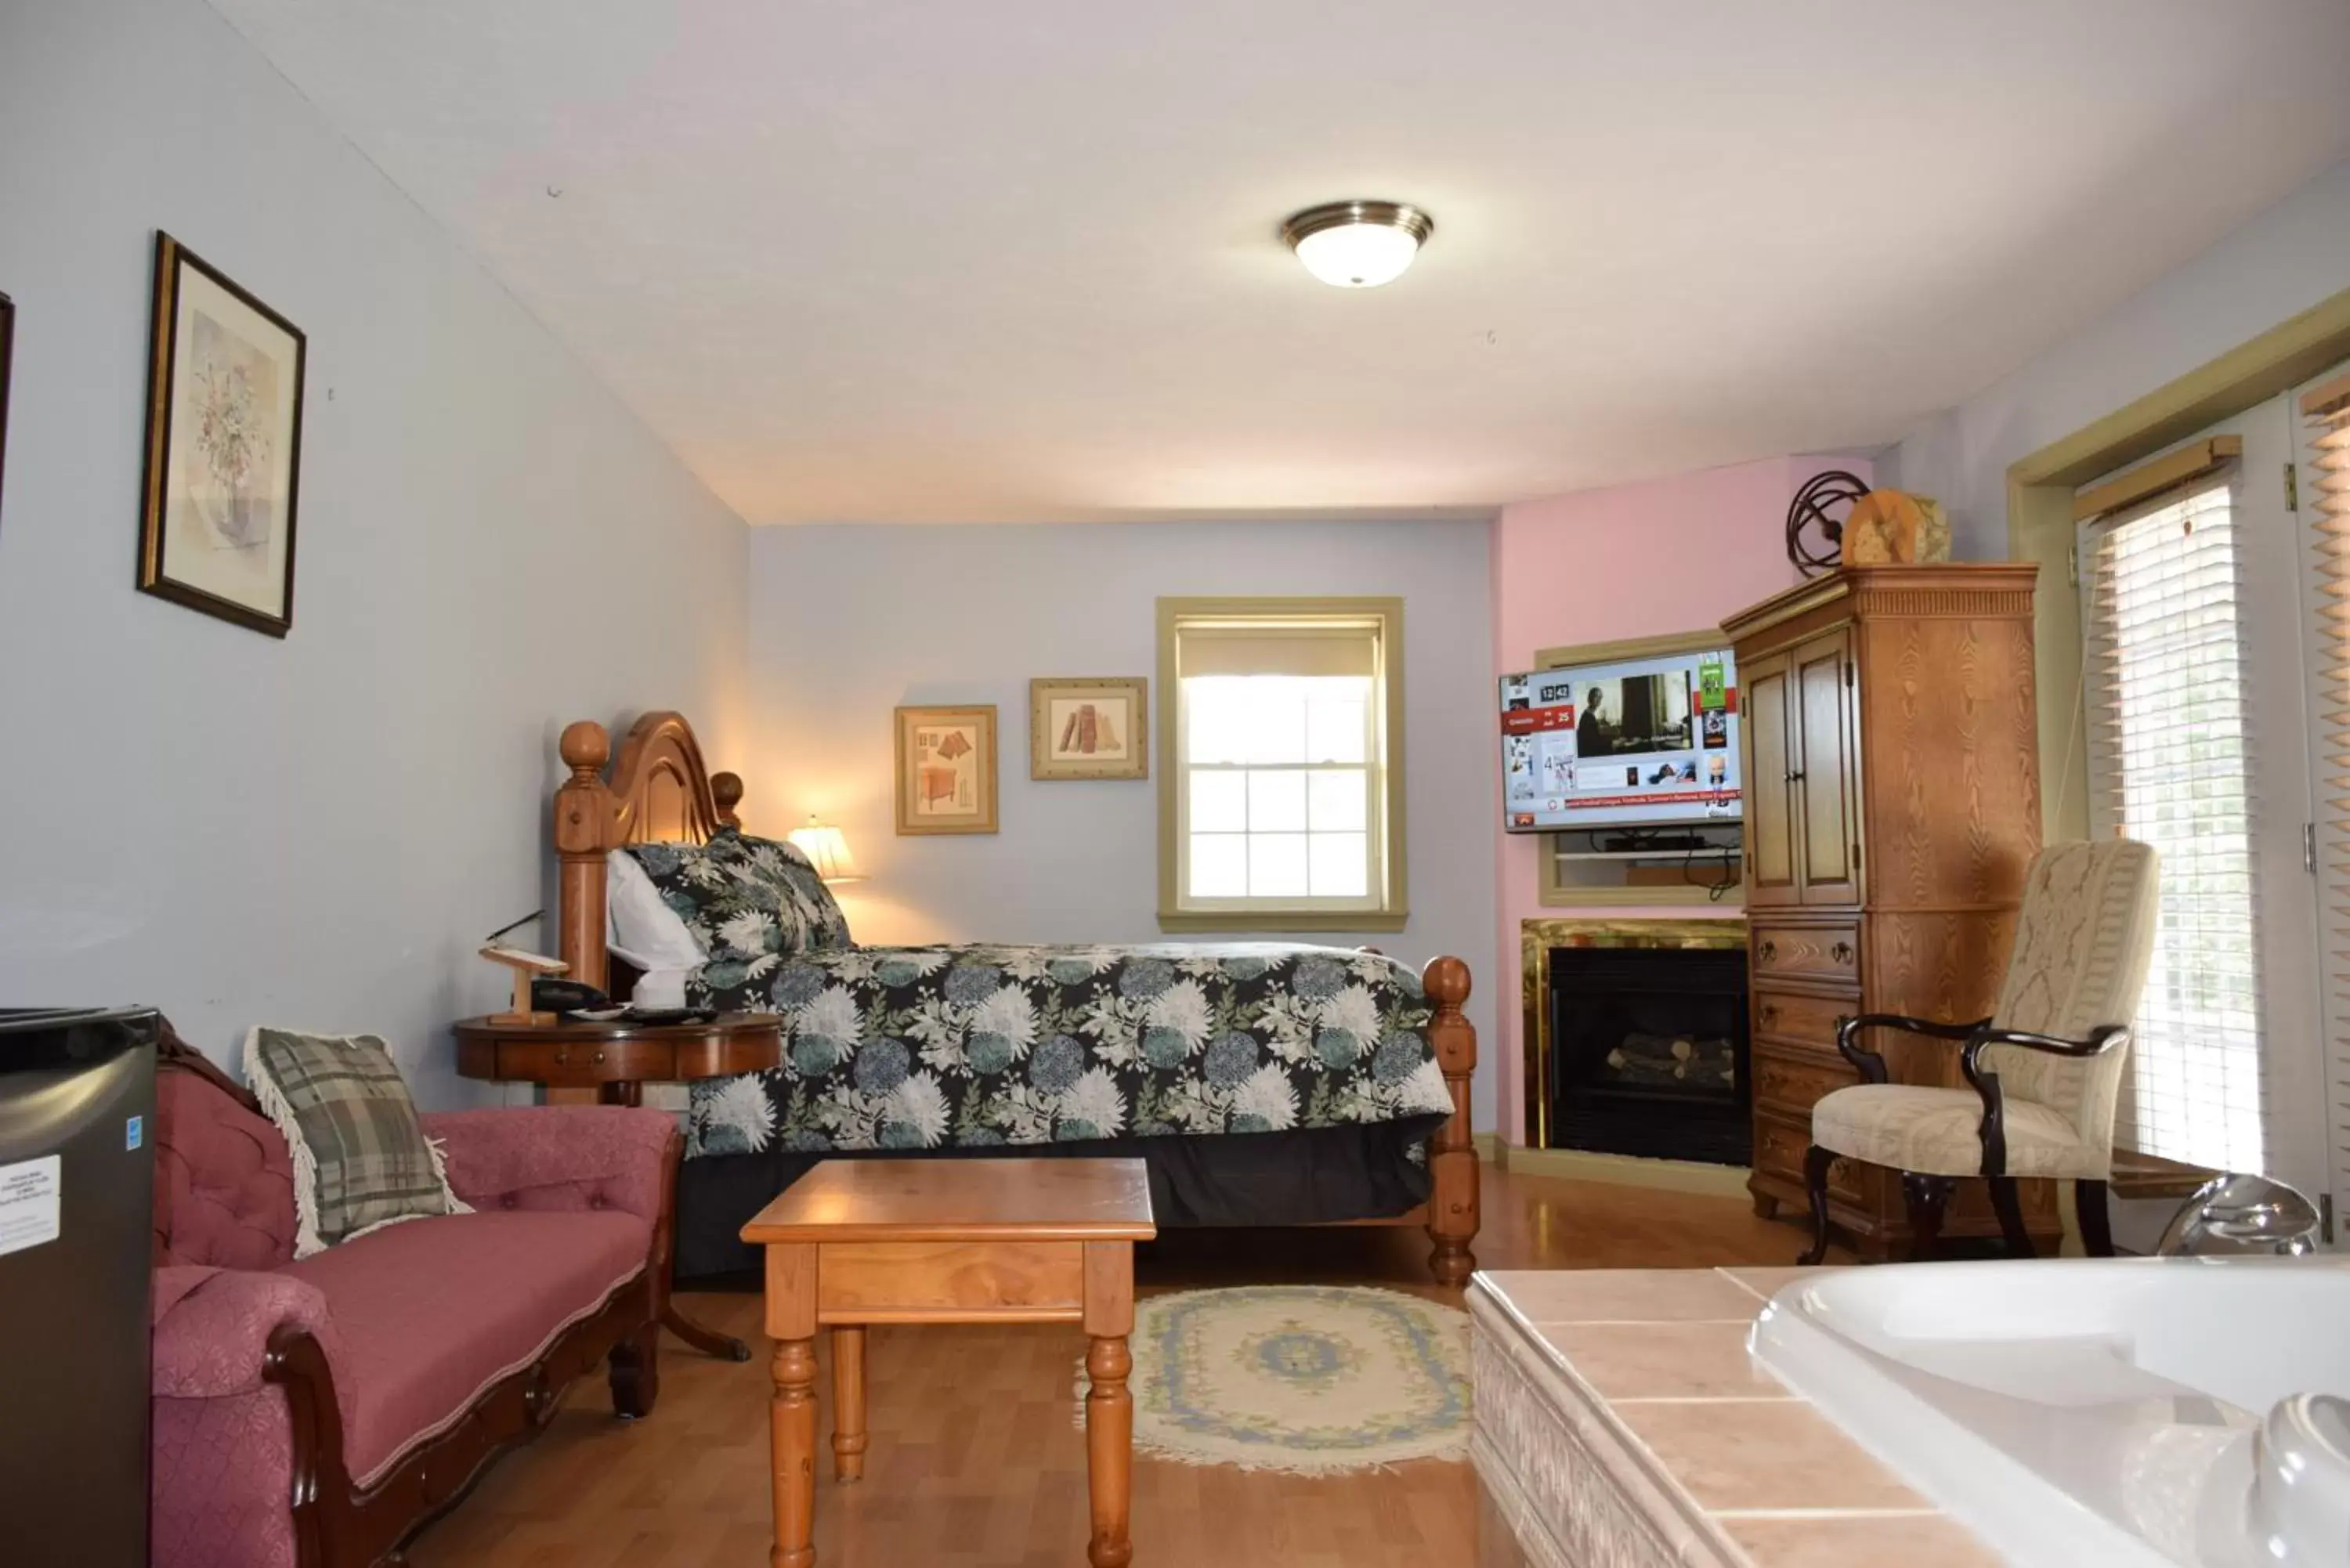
(859, 1241)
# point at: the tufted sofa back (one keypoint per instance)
(223, 1181)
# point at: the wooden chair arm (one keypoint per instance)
(1871, 1064)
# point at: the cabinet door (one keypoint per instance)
(1767, 726)
(1826, 783)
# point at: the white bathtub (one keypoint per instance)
(2076, 1411)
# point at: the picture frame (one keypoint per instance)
(8, 358)
(1090, 727)
(946, 770)
(224, 452)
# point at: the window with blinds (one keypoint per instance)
(2170, 766)
(1276, 800)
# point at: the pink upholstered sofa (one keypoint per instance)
(316, 1414)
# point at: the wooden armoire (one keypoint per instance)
(1891, 764)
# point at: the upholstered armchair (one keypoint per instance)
(2043, 1072)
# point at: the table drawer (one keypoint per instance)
(911, 1282)
(1792, 1082)
(1802, 1020)
(576, 1061)
(1807, 952)
(1779, 1146)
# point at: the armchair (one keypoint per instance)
(2043, 1072)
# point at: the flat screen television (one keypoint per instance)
(1646, 742)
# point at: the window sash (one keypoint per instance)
(1372, 767)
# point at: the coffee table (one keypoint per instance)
(859, 1241)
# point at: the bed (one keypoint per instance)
(1262, 1084)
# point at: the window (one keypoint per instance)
(1278, 807)
(2170, 766)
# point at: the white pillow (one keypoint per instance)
(639, 926)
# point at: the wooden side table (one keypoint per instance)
(611, 1064)
(962, 1240)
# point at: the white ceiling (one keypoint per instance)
(974, 260)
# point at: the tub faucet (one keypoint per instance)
(2237, 1215)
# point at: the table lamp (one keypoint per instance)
(827, 850)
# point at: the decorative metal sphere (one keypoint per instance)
(1814, 535)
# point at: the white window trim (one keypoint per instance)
(1386, 908)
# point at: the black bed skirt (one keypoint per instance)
(1307, 1175)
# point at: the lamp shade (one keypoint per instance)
(828, 851)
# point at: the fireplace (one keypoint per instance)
(1636, 1039)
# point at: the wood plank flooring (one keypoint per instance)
(975, 1459)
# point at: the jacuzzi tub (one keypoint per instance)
(2087, 1411)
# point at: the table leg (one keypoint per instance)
(708, 1341)
(1109, 1451)
(792, 1427)
(847, 1403)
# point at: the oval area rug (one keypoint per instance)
(1311, 1379)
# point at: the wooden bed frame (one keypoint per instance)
(658, 790)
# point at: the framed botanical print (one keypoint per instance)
(946, 770)
(1089, 729)
(223, 447)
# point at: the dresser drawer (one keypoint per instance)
(1807, 952)
(1792, 1082)
(1780, 1144)
(1801, 1020)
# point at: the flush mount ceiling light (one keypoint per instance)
(1358, 244)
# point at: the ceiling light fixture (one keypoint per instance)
(1358, 244)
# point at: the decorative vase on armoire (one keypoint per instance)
(1892, 772)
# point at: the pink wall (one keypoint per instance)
(1639, 560)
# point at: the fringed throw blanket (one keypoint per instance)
(980, 1045)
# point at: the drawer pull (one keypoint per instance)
(1841, 952)
(563, 1055)
(600, 1058)
(1769, 951)
(1770, 1015)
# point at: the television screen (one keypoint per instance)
(1647, 743)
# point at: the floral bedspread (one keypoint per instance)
(975, 1045)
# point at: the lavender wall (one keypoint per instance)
(1639, 560)
(848, 622)
(319, 832)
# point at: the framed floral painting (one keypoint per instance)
(1089, 729)
(223, 447)
(946, 770)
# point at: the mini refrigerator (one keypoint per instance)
(77, 1200)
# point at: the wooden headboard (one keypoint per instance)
(657, 792)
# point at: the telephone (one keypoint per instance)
(548, 994)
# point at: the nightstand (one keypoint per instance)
(611, 1063)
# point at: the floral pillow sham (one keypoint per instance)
(747, 901)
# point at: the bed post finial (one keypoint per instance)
(585, 747)
(1452, 1204)
(726, 794)
(583, 825)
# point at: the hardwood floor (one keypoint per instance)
(974, 1457)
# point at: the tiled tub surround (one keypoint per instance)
(1621, 1424)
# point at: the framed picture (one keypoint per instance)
(223, 447)
(1089, 729)
(946, 770)
(7, 354)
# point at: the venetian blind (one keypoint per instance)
(2326, 502)
(2169, 761)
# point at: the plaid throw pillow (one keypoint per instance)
(360, 1159)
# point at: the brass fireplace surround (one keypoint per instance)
(1535, 940)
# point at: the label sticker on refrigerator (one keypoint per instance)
(29, 1209)
(134, 1133)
